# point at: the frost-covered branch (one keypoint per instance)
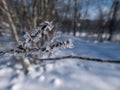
(20, 49)
(42, 41)
(37, 44)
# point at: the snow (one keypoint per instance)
(68, 74)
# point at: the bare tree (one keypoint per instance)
(100, 24)
(114, 9)
(6, 11)
(27, 15)
(67, 8)
(75, 17)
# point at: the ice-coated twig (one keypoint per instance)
(20, 49)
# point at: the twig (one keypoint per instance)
(81, 58)
(21, 49)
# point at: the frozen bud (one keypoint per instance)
(48, 48)
(48, 26)
(69, 43)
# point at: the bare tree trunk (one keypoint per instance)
(26, 16)
(24, 62)
(10, 20)
(42, 9)
(100, 24)
(35, 13)
(75, 17)
(111, 25)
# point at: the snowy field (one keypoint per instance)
(67, 74)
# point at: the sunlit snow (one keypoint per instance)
(68, 74)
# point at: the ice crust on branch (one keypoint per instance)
(43, 39)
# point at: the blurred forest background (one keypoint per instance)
(99, 18)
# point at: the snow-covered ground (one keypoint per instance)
(68, 74)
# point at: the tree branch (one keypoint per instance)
(81, 58)
(63, 57)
